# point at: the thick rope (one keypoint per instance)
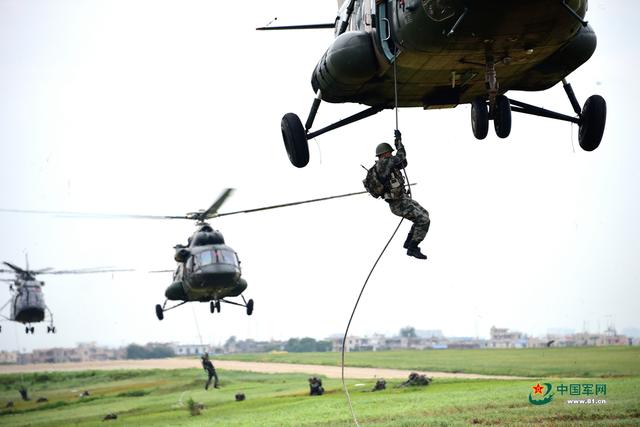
(346, 332)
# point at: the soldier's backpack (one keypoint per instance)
(372, 183)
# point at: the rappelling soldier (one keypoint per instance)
(389, 170)
(211, 371)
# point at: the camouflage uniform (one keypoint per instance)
(389, 170)
(211, 371)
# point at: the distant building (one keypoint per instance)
(8, 357)
(84, 352)
(191, 349)
(504, 338)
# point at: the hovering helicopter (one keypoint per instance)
(208, 270)
(441, 53)
(27, 298)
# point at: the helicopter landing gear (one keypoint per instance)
(479, 118)
(295, 140)
(247, 304)
(160, 309)
(29, 329)
(594, 117)
(214, 305)
(51, 329)
(502, 116)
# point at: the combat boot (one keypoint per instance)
(415, 252)
(407, 242)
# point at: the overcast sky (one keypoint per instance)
(153, 107)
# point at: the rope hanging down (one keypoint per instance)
(346, 332)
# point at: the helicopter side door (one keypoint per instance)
(382, 19)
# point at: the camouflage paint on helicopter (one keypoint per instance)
(443, 53)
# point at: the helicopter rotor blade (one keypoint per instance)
(15, 268)
(283, 205)
(89, 270)
(94, 215)
(213, 209)
(162, 271)
(298, 27)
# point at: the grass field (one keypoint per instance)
(527, 362)
(144, 398)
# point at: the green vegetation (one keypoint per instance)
(169, 398)
(135, 351)
(299, 345)
(612, 361)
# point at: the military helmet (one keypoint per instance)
(383, 148)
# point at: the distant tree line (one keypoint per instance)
(303, 345)
(135, 351)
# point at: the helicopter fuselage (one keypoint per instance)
(28, 303)
(532, 45)
(208, 270)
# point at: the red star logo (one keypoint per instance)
(537, 389)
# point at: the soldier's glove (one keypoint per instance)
(397, 135)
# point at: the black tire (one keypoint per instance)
(32, 330)
(502, 116)
(212, 307)
(249, 307)
(26, 330)
(295, 140)
(159, 312)
(218, 306)
(594, 118)
(479, 118)
(53, 329)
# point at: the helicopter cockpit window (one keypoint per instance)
(439, 10)
(206, 258)
(226, 256)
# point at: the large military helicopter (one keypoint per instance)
(27, 299)
(208, 270)
(441, 53)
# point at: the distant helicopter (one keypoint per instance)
(27, 298)
(441, 53)
(208, 270)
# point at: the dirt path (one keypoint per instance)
(233, 365)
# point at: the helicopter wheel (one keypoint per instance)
(48, 329)
(218, 306)
(159, 312)
(249, 307)
(502, 116)
(212, 306)
(53, 329)
(295, 140)
(594, 117)
(479, 118)
(26, 330)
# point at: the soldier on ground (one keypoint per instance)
(211, 371)
(389, 170)
(315, 387)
